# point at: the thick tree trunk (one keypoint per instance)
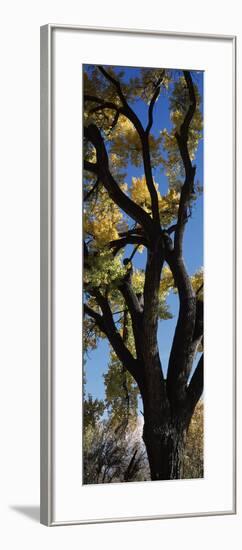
(165, 441)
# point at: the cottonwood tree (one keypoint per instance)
(123, 303)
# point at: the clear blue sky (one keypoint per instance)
(97, 360)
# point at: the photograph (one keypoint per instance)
(143, 225)
(121, 264)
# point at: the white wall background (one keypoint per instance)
(19, 287)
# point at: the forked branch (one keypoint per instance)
(188, 186)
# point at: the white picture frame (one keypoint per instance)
(64, 500)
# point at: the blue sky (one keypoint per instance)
(97, 360)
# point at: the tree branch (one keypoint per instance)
(152, 104)
(199, 289)
(198, 329)
(92, 133)
(188, 186)
(115, 339)
(195, 388)
(115, 83)
(171, 229)
(90, 166)
(117, 244)
(192, 107)
(183, 347)
(93, 98)
(102, 103)
(135, 311)
(154, 264)
(96, 316)
(135, 249)
(150, 181)
(144, 138)
(107, 105)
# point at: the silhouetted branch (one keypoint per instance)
(188, 186)
(195, 388)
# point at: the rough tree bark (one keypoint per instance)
(168, 404)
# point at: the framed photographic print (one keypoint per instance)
(138, 369)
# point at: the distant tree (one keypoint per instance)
(122, 303)
(113, 454)
(93, 409)
(116, 454)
